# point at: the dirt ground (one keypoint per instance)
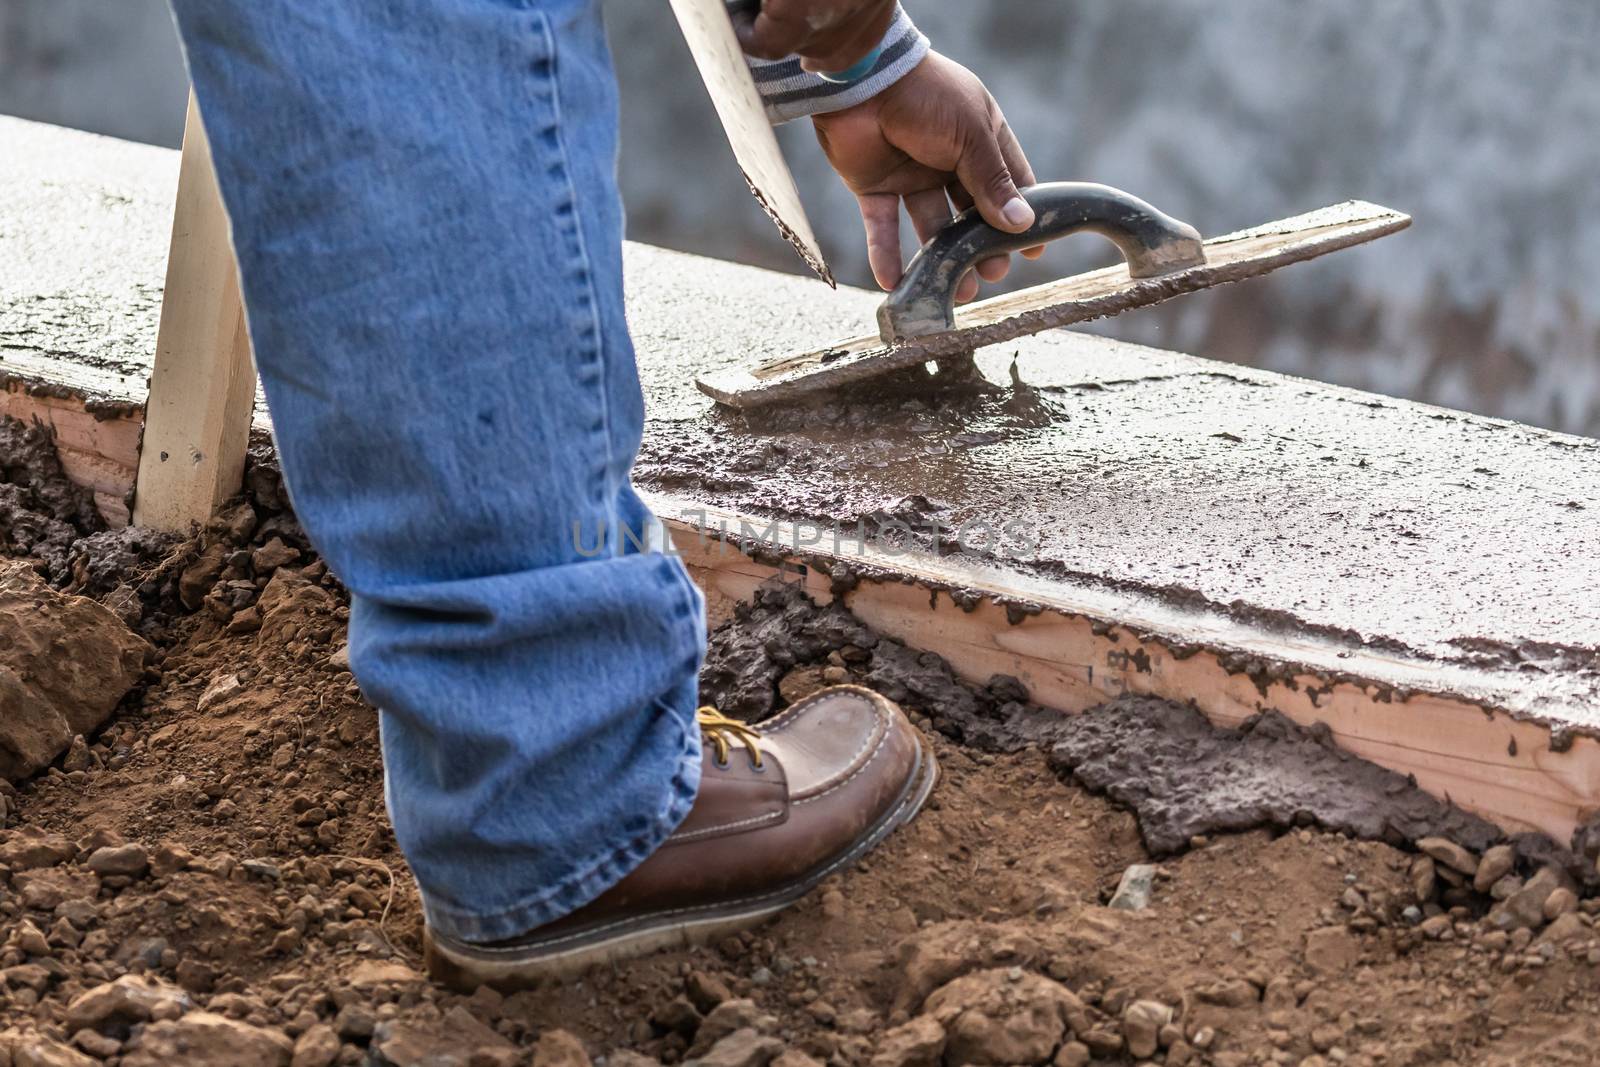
(210, 879)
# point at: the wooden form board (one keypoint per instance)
(1072, 656)
(203, 384)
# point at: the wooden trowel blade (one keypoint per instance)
(1097, 294)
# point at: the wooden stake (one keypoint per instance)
(202, 389)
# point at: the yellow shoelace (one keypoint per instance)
(720, 729)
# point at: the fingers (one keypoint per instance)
(929, 211)
(1021, 171)
(994, 268)
(768, 36)
(880, 214)
(983, 171)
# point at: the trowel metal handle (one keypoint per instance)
(1151, 242)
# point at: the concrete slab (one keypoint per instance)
(1420, 579)
(1215, 490)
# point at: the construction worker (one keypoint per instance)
(424, 207)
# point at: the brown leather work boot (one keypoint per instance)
(780, 808)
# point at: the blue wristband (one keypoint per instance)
(855, 72)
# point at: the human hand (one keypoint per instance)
(827, 35)
(933, 138)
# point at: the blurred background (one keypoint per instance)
(1480, 118)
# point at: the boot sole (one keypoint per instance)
(465, 967)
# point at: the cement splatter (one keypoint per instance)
(51, 521)
(1184, 777)
(42, 513)
(1179, 774)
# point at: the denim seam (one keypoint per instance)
(598, 349)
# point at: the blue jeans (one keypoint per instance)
(424, 206)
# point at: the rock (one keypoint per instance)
(1072, 1054)
(558, 1048)
(77, 757)
(381, 974)
(129, 860)
(198, 577)
(1506, 888)
(1566, 927)
(65, 663)
(1495, 865)
(800, 683)
(1443, 850)
(220, 689)
(938, 954)
(30, 939)
(356, 1022)
(1560, 901)
(793, 1057)
(1133, 891)
(270, 872)
(340, 659)
(63, 933)
(31, 848)
(727, 1017)
(1228, 993)
(1331, 949)
(705, 992)
(1002, 1016)
(272, 555)
(289, 600)
(1524, 909)
(918, 1043)
(202, 1039)
(1436, 926)
(48, 888)
(35, 1051)
(459, 1040)
(677, 1016)
(245, 621)
(96, 1044)
(742, 1048)
(1424, 879)
(626, 1057)
(1141, 1026)
(317, 1047)
(1106, 1043)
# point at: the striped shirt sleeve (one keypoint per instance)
(791, 93)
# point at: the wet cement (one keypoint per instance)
(1228, 495)
(42, 513)
(46, 518)
(780, 629)
(1181, 776)
(1185, 777)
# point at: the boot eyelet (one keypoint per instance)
(720, 763)
(758, 768)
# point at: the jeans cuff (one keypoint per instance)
(587, 883)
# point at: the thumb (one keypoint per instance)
(983, 173)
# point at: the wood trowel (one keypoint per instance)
(1162, 258)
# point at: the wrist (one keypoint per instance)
(792, 89)
(849, 56)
